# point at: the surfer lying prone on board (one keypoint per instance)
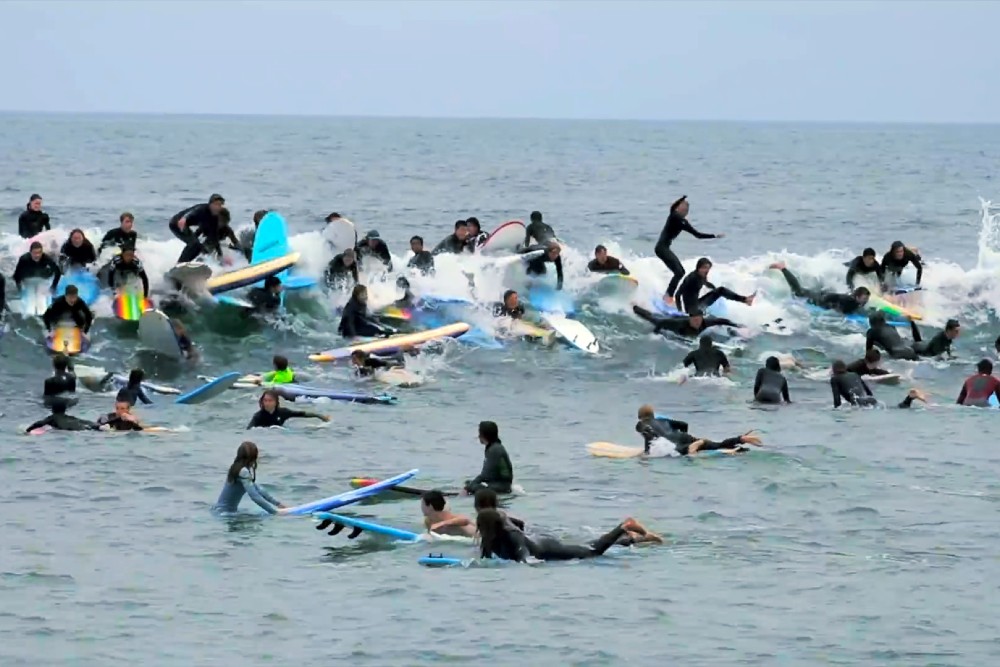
(267, 299)
(652, 428)
(241, 480)
(688, 326)
(272, 414)
(885, 336)
(60, 421)
(850, 388)
(842, 303)
(869, 364)
(121, 419)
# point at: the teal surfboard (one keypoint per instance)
(367, 526)
(271, 242)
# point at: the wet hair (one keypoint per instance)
(59, 406)
(273, 394)
(509, 293)
(876, 317)
(646, 412)
(216, 198)
(126, 216)
(359, 354)
(34, 197)
(280, 362)
(403, 282)
(259, 215)
(434, 499)
(696, 312)
(78, 231)
(35, 245)
(419, 239)
(673, 207)
(868, 252)
(489, 431)
(474, 221)
(271, 282)
(60, 362)
(773, 364)
(358, 291)
(485, 499)
(121, 400)
(599, 249)
(224, 216)
(349, 253)
(839, 366)
(705, 341)
(333, 216)
(536, 216)
(985, 367)
(896, 245)
(492, 530)
(460, 223)
(703, 261)
(246, 457)
(71, 290)
(553, 246)
(861, 291)
(873, 355)
(136, 375)
(951, 325)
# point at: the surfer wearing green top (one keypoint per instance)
(497, 472)
(281, 374)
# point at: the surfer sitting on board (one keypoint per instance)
(842, 303)
(438, 517)
(267, 299)
(552, 255)
(454, 243)
(33, 220)
(123, 234)
(688, 326)
(898, 257)
(133, 391)
(60, 421)
(605, 263)
(342, 270)
(653, 428)
(372, 245)
(688, 298)
(770, 386)
(476, 235)
(354, 319)
(707, 359)
(978, 388)
(497, 472)
(242, 480)
(272, 414)
(61, 383)
(69, 305)
(865, 264)
(126, 268)
(849, 387)
(35, 264)
(77, 251)
(869, 364)
(422, 260)
(121, 419)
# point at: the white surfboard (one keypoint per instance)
(573, 332)
(505, 238)
(35, 297)
(157, 334)
(503, 262)
(191, 275)
(341, 234)
(891, 378)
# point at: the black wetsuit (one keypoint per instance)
(895, 266)
(497, 472)
(264, 299)
(680, 324)
(536, 267)
(31, 223)
(688, 298)
(337, 272)
(475, 240)
(372, 365)
(354, 321)
(677, 433)
(450, 244)
(852, 389)
(43, 269)
(938, 344)
(133, 393)
(82, 256)
(58, 386)
(118, 237)
(61, 310)
(501, 310)
(676, 223)
(116, 423)
(195, 216)
(842, 303)
(541, 232)
(707, 360)
(3, 296)
(770, 386)
(861, 367)
(611, 265)
(422, 261)
(857, 266)
(883, 335)
(379, 252)
(119, 273)
(64, 422)
(264, 419)
(513, 544)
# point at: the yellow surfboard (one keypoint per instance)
(248, 275)
(393, 343)
(610, 450)
(67, 339)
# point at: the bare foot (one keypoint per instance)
(749, 299)
(749, 438)
(669, 300)
(695, 446)
(917, 395)
(777, 266)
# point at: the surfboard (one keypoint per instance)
(615, 285)
(610, 450)
(129, 306)
(573, 332)
(208, 390)
(504, 262)
(271, 242)
(398, 492)
(393, 344)
(505, 238)
(350, 497)
(191, 275)
(878, 303)
(394, 313)
(341, 234)
(524, 329)
(367, 526)
(248, 275)
(67, 339)
(891, 378)
(35, 297)
(398, 377)
(440, 560)
(156, 333)
(550, 300)
(302, 391)
(993, 401)
(86, 284)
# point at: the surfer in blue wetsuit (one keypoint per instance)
(77, 251)
(707, 359)
(688, 326)
(476, 235)
(842, 303)
(676, 223)
(354, 319)
(865, 264)
(126, 268)
(687, 294)
(133, 391)
(272, 414)
(497, 472)
(897, 259)
(62, 385)
(267, 299)
(342, 270)
(33, 220)
(35, 264)
(552, 255)
(605, 263)
(242, 480)
(60, 421)
(653, 428)
(770, 386)
(71, 306)
(372, 245)
(123, 234)
(454, 243)
(422, 260)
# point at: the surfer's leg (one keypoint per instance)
(673, 265)
(191, 252)
(722, 293)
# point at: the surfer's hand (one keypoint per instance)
(720, 236)
(325, 418)
(182, 223)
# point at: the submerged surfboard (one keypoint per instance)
(208, 390)
(367, 526)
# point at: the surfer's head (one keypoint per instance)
(461, 230)
(72, 295)
(127, 221)
(432, 501)
(246, 457)
(536, 216)
(703, 266)
(553, 250)
(861, 295)
(273, 284)
(135, 376)
(897, 249)
(510, 299)
(646, 412)
(373, 238)
(474, 226)
(215, 203)
(36, 251)
(269, 400)
(360, 294)
(772, 364)
(332, 217)
(485, 499)
(868, 257)
(601, 254)
(417, 244)
(838, 367)
(348, 257)
(876, 318)
(985, 367)
(358, 357)
(60, 363)
(76, 238)
(680, 206)
(488, 433)
(128, 253)
(280, 363)
(224, 217)
(258, 216)
(872, 358)
(952, 329)
(696, 318)
(35, 203)
(705, 342)
(122, 408)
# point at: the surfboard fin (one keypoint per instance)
(354, 533)
(324, 524)
(337, 527)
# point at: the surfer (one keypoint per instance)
(77, 251)
(69, 305)
(511, 306)
(897, 259)
(882, 334)
(133, 390)
(212, 232)
(33, 220)
(409, 299)
(687, 294)
(124, 269)
(688, 326)
(438, 517)
(849, 387)
(60, 421)
(122, 235)
(121, 419)
(184, 223)
(184, 342)
(869, 364)
(3, 297)
(476, 235)
(272, 414)
(707, 359)
(372, 245)
(354, 319)
(552, 255)
(605, 263)
(652, 428)
(770, 386)
(676, 223)
(940, 343)
(865, 264)
(342, 270)
(35, 264)
(497, 472)
(977, 389)
(842, 303)
(487, 499)
(242, 480)
(454, 243)
(267, 298)
(365, 365)
(249, 234)
(538, 232)
(61, 383)
(281, 373)
(422, 260)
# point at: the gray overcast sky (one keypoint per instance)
(878, 61)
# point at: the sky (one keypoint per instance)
(890, 61)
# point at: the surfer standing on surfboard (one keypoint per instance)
(537, 234)
(676, 223)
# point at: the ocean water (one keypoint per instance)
(852, 538)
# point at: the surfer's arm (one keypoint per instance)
(866, 387)
(869, 339)
(686, 226)
(454, 521)
(41, 423)
(961, 396)
(141, 395)
(784, 391)
(559, 273)
(917, 264)
(835, 386)
(88, 317)
(145, 283)
(263, 499)
(56, 274)
(689, 359)
(305, 414)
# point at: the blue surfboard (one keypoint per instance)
(437, 560)
(271, 242)
(993, 401)
(368, 526)
(351, 496)
(86, 283)
(209, 390)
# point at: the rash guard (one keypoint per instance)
(977, 390)
(245, 484)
